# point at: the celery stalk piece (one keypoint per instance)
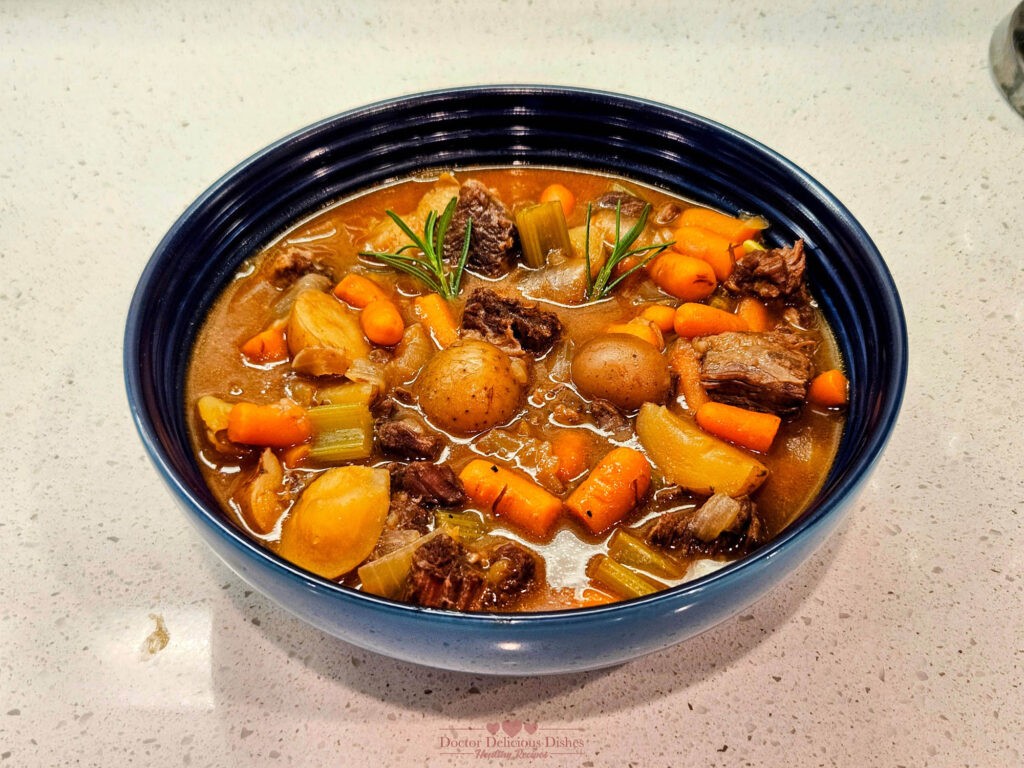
(467, 525)
(386, 576)
(542, 229)
(340, 433)
(620, 580)
(630, 550)
(349, 393)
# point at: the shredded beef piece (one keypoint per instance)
(434, 485)
(512, 570)
(632, 206)
(408, 512)
(770, 274)
(510, 323)
(384, 407)
(761, 371)
(446, 574)
(667, 213)
(721, 525)
(606, 416)
(441, 577)
(406, 439)
(492, 235)
(295, 261)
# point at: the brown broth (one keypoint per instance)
(798, 461)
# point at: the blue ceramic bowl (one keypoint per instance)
(649, 142)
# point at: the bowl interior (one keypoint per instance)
(651, 143)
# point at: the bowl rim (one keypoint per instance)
(812, 518)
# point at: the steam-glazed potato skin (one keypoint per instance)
(622, 369)
(319, 320)
(469, 387)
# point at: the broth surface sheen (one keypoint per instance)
(556, 435)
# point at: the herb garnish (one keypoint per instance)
(599, 287)
(429, 267)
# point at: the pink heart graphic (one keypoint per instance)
(512, 727)
(530, 728)
(493, 728)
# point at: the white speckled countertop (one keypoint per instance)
(899, 644)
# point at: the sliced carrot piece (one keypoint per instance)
(701, 320)
(612, 489)
(511, 495)
(746, 428)
(829, 389)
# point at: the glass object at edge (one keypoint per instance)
(1006, 53)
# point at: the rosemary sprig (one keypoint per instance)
(599, 287)
(429, 266)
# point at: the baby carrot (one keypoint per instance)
(683, 362)
(382, 322)
(662, 316)
(511, 495)
(707, 245)
(701, 320)
(358, 291)
(734, 229)
(755, 313)
(686, 277)
(828, 389)
(749, 429)
(611, 490)
(562, 194)
(278, 425)
(435, 315)
(267, 346)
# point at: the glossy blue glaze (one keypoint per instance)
(529, 125)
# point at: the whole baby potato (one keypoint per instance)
(469, 387)
(621, 368)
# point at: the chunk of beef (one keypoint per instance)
(447, 574)
(606, 416)
(511, 323)
(491, 239)
(405, 439)
(770, 274)
(434, 485)
(631, 206)
(294, 261)
(721, 525)
(512, 570)
(442, 577)
(667, 213)
(408, 513)
(761, 371)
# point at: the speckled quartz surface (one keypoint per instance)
(125, 643)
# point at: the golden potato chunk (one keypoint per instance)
(336, 523)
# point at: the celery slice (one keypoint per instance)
(349, 393)
(340, 433)
(386, 576)
(467, 525)
(542, 229)
(633, 551)
(620, 580)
